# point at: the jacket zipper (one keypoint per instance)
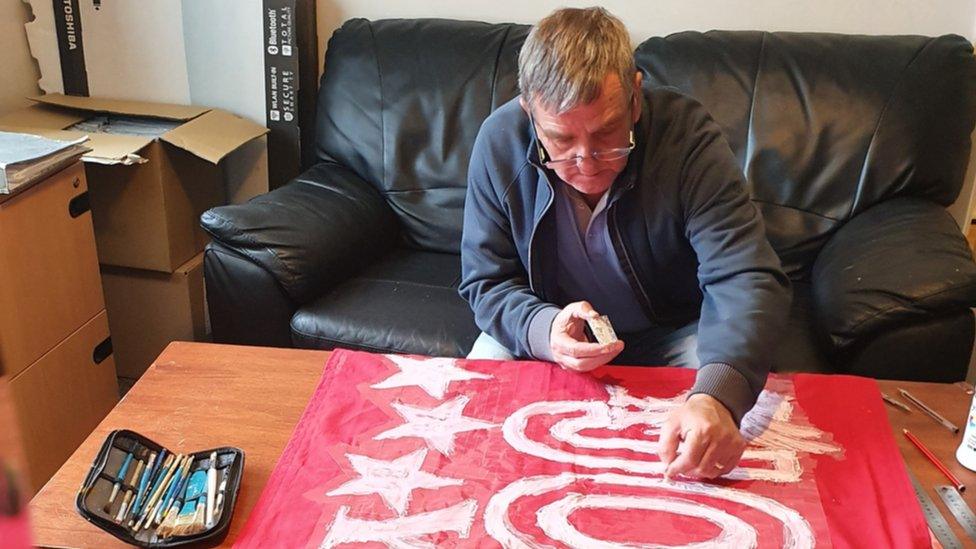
(535, 226)
(649, 309)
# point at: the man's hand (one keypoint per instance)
(568, 343)
(712, 444)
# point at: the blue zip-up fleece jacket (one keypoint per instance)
(687, 236)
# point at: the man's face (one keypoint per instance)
(604, 123)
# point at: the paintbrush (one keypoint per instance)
(178, 485)
(125, 505)
(211, 488)
(163, 460)
(169, 485)
(147, 511)
(195, 523)
(195, 488)
(119, 478)
(143, 483)
(219, 505)
(130, 492)
(171, 492)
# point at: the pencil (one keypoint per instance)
(935, 461)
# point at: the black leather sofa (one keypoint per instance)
(852, 147)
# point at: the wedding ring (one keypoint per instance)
(719, 466)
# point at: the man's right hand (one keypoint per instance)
(568, 343)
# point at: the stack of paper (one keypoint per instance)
(25, 158)
(127, 125)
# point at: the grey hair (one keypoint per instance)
(569, 53)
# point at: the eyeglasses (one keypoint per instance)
(606, 155)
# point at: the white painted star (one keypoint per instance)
(437, 426)
(433, 375)
(392, 480)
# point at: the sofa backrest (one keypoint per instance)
(401, 102)
(826, 125)
(823, 125)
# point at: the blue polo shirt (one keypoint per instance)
(588, 265)
(588, 268)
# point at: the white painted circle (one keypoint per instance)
(797, 533)
(553, 519)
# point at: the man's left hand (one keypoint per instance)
(712, 444)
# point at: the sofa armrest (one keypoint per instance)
(245, 303)
(903, 260)
(313, 232)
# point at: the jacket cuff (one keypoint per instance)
(539, 329)
(728, 386)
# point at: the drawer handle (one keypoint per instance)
(102, 351)
(79, 204)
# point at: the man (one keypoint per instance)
(588, 195)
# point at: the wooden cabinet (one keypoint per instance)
(54, 341)
(59, 399)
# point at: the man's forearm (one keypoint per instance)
(540, 328)
(728, 386)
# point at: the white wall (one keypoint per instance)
(20, 72)
(225, 68)
(647, 18)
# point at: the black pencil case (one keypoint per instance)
(97, 488)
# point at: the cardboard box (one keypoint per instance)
(59, 399)
(49, 282)
(147, 310)
(147, 193)
(256, 59)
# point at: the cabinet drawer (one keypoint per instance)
(59, 399)
(49, 279)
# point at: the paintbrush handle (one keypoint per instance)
(211, 488)
(146, 474)
(151, 503)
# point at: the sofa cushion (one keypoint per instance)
(400, 103)
(827, 125)
(936, 348)
(901, 261)
(406, 303)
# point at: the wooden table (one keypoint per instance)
(195, 396)
(252, 397)
(952, 402)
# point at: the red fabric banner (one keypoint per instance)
(407, 451)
